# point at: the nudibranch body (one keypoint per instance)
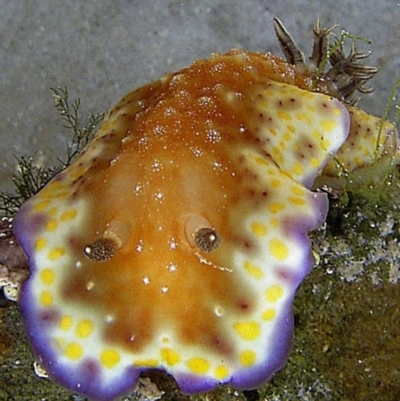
(178, 237)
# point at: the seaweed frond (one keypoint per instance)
(70, 115)
(31, 174)
(29, 178)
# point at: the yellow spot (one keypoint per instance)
(283, 115)
(65, 323)
(298, 168)
(109, 358)
(249, 331)
(221, 372)
(56, 253)
(77, 172)
(106, 126)
(314, 162)
(311, 109)
(274, 293)
(258, 229)
(261, 161)
(337, 111)
(41, 205)
(279, 157)
(276, 207)
(274, 223)
(296, 201)
(253, 270)
(40, 244)
(278, 249)
(55, 185)
(46, 193)
(51, 225)
(275, 183)
(47, 276)
(68, 215)
(151, 363)
(325, 144)
(363, 116)
(46, 298)
(364, 151)
(198, 366)
(292, 129)
(248, 358)
(73, 351)
(329, 125)
(301, 115)
(169, 356)
(297, 191)
(371, 140)
(316, 134)
(85, 328)
(309, 96)
(304, 117)
(61, 194)
(269, 314)
(53, 211)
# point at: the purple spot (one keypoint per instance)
(284, 274)
(49, 317)
(90, 369)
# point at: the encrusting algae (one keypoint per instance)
(195, 194)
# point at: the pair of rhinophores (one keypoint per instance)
(178, 237)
